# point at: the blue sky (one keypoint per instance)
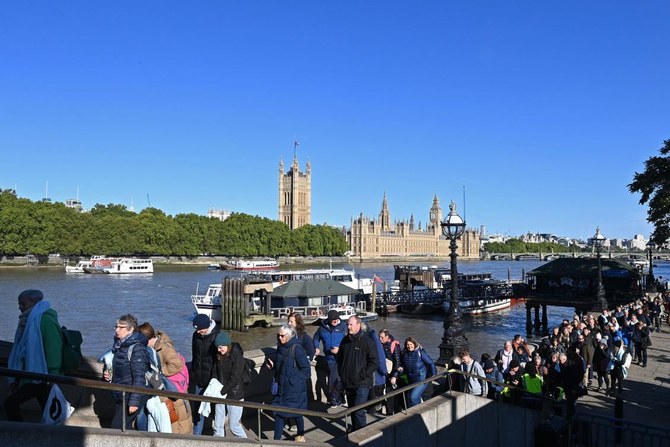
(543, 111)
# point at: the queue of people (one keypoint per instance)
(361, 364)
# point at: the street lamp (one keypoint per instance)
(651, 282)
(453, 339)
(598, 241)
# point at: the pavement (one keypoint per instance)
(646, 390)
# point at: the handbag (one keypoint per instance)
(57, 408)
(174, 416)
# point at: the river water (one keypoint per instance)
(92, 303)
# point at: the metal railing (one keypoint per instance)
(260, 408)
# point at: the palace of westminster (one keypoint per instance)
(371, 239)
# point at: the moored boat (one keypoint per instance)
(122, 266)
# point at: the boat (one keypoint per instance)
(214, 266)
(267, 264)
(346, 310)
(422, 290)
(79, 267)
(120, 266)
(311, 297)
(84, 264)
(346, 277)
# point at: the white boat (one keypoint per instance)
(83, 264)
(343, 276)
(267, 264)
(122, 266)
(348, 309)
(209, 303)
(481, 306)
(79, 267)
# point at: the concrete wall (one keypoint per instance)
(466, 419)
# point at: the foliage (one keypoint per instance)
(518, 246)
(654, 185)
(40, 228)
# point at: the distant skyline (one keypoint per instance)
(542, 111)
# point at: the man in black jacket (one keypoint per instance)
(203, 351)
(356, 362)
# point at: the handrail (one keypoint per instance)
(259, 407)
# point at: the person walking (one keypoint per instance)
(417, 364)
(166, 358)
(38, 347)
(392, 355)
(291, 371)
(129, 369)
(474, 383)
(203, 352)
(229, 370)
(330, 333)
(357, 361)
(618, 367)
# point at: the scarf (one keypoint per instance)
(28, 351)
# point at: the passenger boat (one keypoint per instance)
(123, 266)
(346, 277)
(348, 309)
(267, 264)
(83, 264)
(422, 290)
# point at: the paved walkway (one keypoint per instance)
(646, 392)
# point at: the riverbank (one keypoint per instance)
(53, 261)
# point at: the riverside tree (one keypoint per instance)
(654, 185)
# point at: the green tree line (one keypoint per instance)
(41, 228)
(519, 246)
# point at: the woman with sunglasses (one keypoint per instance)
(291, 371)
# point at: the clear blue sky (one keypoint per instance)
(542, 110)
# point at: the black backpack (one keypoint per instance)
(72, 356)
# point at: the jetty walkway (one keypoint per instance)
(448, 416)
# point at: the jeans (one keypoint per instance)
(280, 421)
(355, 397)
(415, 395)
(334, 384)
(234, 416)
(131, 418)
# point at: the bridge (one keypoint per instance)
(541, 256)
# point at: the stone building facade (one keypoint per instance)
(382, 239)
(295, 194)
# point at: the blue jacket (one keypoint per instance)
(417, 365)
(380, 372)
(291, 372)
(130, 371)
(331, 336)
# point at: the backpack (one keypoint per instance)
(153, 376)
(71, 349)
(180, 379)
(249, 366)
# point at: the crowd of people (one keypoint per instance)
(593, 351)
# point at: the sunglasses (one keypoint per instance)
(282, 335)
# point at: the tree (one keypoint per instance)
(654, 185)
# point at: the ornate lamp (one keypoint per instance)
(598, 242)
(453, 339)
(651, 281)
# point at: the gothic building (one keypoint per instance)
(295, 194)
(382, 239)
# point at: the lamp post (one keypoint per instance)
(651, 282)
(453, 339)
(598, 241)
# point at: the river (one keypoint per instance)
(92, 303)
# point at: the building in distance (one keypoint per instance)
(295, 193)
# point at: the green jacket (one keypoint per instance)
(52, 341)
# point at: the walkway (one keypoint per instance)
(646, 392)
